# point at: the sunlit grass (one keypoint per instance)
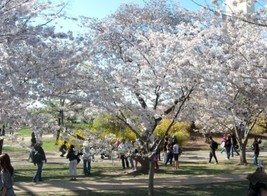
(49, 145)
(24, 132)
(107, 170)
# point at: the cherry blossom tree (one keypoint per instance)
(141, 57)
(34, 58)
(236, 51)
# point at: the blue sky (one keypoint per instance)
(102, 8)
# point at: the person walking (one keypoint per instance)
(256, 149)
(38, 159)
(223, 143)
(123, 149)
(234, 145)
(7, 174)
(213, 148)
(227, 146)
(87, 157)
(33, 142)
(176, 154)
(73, 162)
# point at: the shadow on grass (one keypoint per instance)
(218, 189)
(56, 172)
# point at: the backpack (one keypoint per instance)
(214, 145)
(227, 143)
(37, 157)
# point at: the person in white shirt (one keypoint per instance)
(176, 154)
(123, 149)
(87, 155)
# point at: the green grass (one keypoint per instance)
(218, 189)
(221, 189)
(49, 145)
(51, 172)
(8, 149)
(24, 132)
(110, 171)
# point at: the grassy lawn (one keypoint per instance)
(219, 189)
(105, 170)
(24, 132)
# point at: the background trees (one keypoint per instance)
(141, 64)
(234, 49)
(34, 59)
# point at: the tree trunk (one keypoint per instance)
(243, 159)
(243, 145)
(242, 140)
(2, 133)
(61, 124)
(151, 178)
(145, 164)
(1, 145)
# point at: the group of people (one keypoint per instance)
(126, 152)
(229, 144)
(171, 150)
(73, 155)
(38, 157)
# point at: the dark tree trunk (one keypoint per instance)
(1, 145)
(144, 164)
(2, 133)
(151, 178)
(147, 167)
(60, 123)
(243, 160)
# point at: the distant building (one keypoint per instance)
(239, 6)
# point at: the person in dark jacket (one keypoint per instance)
(63, 149)
(33, 142)
(227, 146)
(234, 145)
(213, 147)
(38, 159)
(73, 157)
(256, 150)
